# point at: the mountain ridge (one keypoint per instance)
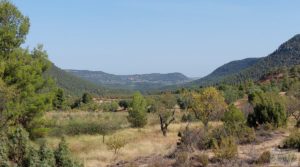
(141, 82)
(287, 54)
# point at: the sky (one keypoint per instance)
(158, 36)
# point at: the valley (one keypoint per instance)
(245, 113)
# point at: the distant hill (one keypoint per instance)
(287, 55)
(76, 86)
(141, 82)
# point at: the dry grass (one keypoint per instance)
(142, 142)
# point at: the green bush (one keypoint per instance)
(63, 156)
(18, 145)
(268, 108)
(292, 141)
(109, 107)
(227, 149)
(264, 158)
(32, 159)
(233, 116)
(91, 127)
(46, 156)
(124, 104)
(39, 133)
(138, 111)
(188, 118)
(4, 150)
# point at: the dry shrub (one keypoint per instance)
(116, 143)
(197, 138)
(264, 158)
(201, 160)
(182, 159)
(226, 149)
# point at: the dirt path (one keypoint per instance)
(251, 151)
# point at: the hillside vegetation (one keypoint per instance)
(141, 82)
(287, 55)
(74, 85)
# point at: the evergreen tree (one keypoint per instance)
(46, 156)
(59, 99)
(138, 111)
(63, 156)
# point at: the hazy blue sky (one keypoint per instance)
(144, 36)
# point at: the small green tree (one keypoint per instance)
(106, 128)
(46, 156)
(63, 155)
(32, 158)
(4, 150)
(87, 98)
(137, 113)
(116, 143)
(18, 145)
(59, 101)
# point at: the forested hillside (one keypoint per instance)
(76, 86)
(142, 82)
(287, 55)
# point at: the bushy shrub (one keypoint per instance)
(87, 98)
(268, 108)
(116, 142)
(138, 111)
(245, 135)
(46, 156)
(233, 116)
(39, 133)
(196, 138)
(3, 150)
(124, 104)
(242, 133)
(202, 159)
(287, 159)
(63, 156)
(92, 127)
(292, 141)
(109, 107)
(226, 149)
(235, 125)
(182, 159)
(32, 159)
(188, 117)
(264, 158)
(18, 145)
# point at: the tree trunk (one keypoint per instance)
(164, 131)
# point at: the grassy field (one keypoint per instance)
(144, 142)
(90, 149)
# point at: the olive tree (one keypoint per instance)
(208, 104)
(166, 111)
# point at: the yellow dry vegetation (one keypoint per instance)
(142, 142)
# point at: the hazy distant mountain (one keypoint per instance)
(74, 85)
(288, 54)
(142, 82)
